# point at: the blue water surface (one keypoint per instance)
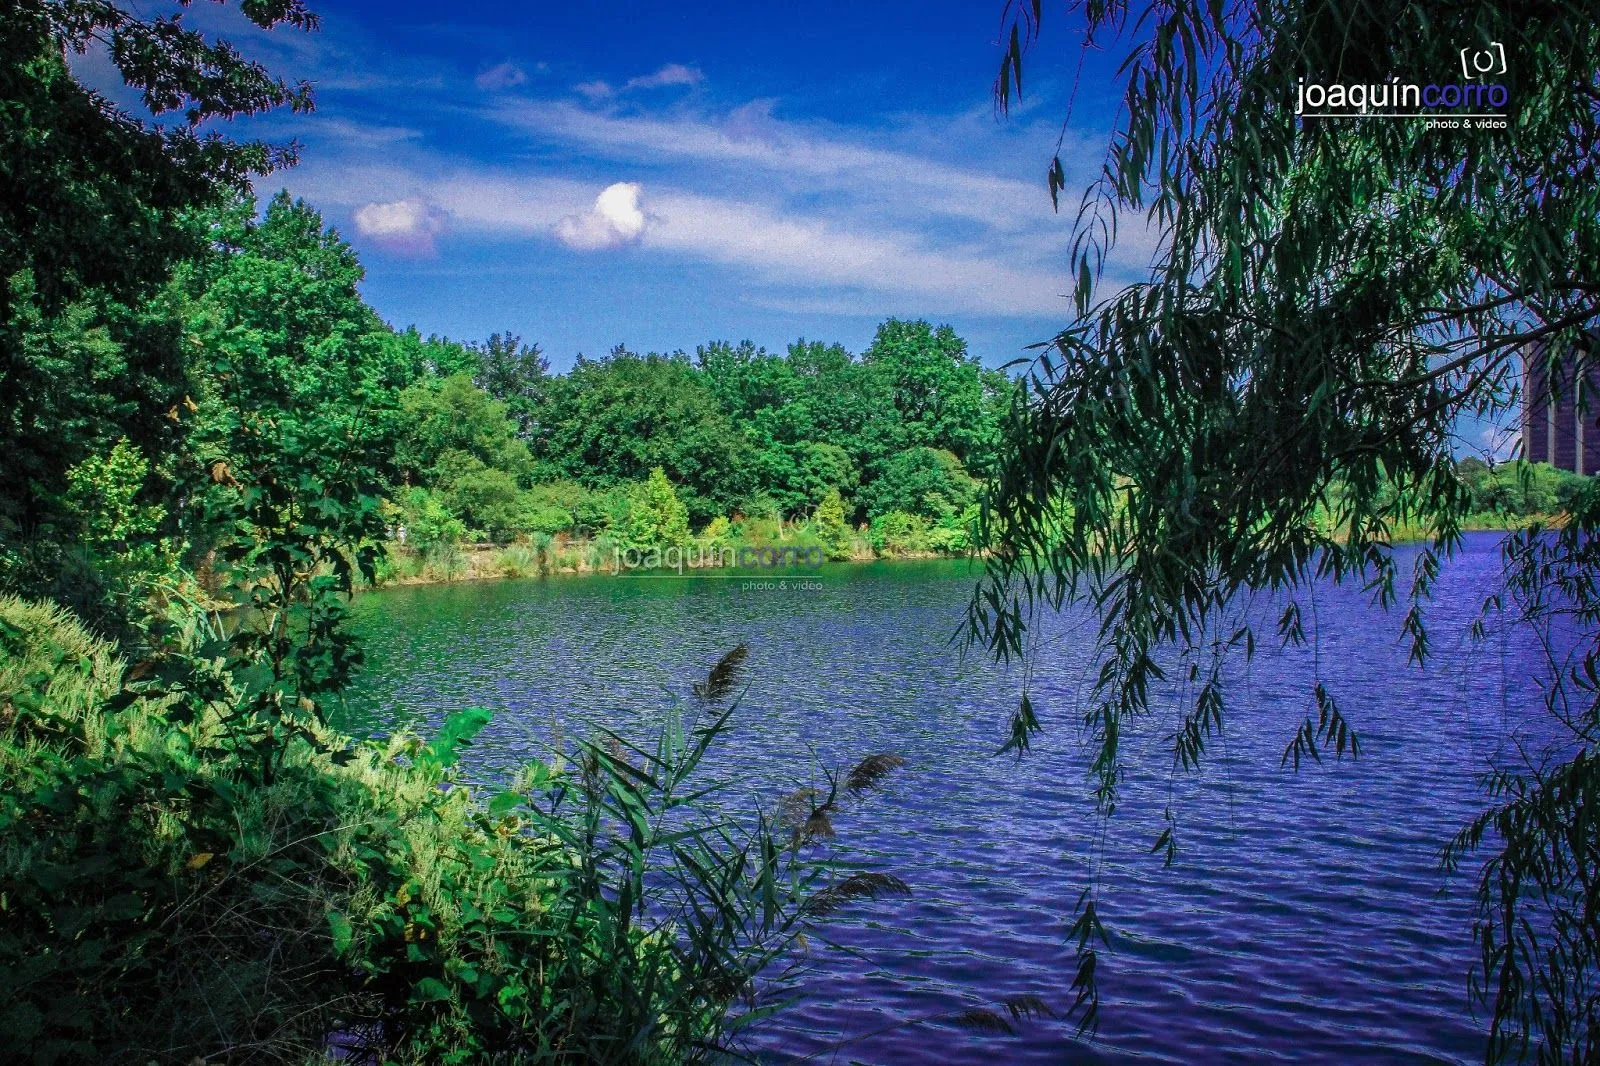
(1305, 918)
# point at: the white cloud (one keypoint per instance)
(616, 219)
(671, 74)
(913, 215)
(404, 225)
(791, 250)
(863, 182)
(796, 155)
(505, 75)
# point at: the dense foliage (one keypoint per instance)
(208, 440)
(96, 209)
(1279, 397)
(180, 883)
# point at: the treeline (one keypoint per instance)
(256, 386)
(495, 447)
(206, 439)
(1516, 490)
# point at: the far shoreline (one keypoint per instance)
(487, 562)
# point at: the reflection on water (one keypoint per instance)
(1305, 917)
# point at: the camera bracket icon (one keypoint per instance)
(1479, 62)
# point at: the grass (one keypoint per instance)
(166, 899)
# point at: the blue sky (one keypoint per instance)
(774, 171)
(666, 175)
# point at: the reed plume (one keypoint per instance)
(854, 887)
(723, 676)
(1017, 1009)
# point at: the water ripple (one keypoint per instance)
(1305, 919)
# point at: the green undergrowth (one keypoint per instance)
(180, 884)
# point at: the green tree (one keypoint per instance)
(94, 197)
(923, 481)
(831, 527)
(943, 396)
(431, 356)
(614, 420)
(453, 428)
(657, 518)
(291, 441)
(788, 408)
(96, 208)
(837, 400)
(1279, 394)
(513, 373)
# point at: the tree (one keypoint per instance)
(614, 420)
(291, 439)
(922, 481)
(656, 517)
(452, 428)
(431, 356)
(489, 501)
(429, 522)
(96, 209)
(513, 373)
(837, 400)
(1280, 393)
(94, 198)
(831, 527)
(943, 396)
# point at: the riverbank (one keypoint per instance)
(488, 562)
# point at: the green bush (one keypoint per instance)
(954, 533)
(428, 521)
(657, 518)
(179, 883)
(489, 500)
(830, 526)
(1518, 488)
(898, 533)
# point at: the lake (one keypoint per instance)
(1306, 917)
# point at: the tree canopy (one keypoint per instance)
(1281, 393)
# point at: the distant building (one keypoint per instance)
(1565, 433)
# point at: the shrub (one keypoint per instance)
(397, 566)
(898, 533)
(488, 499)
(829, 524)
(526, 560)
(657, 518)
(180, 884)
(955, 532)
(718, 533)
(563, 507)
(428, 521)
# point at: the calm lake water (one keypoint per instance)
(1306, 918)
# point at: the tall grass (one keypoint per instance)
(165, 901)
